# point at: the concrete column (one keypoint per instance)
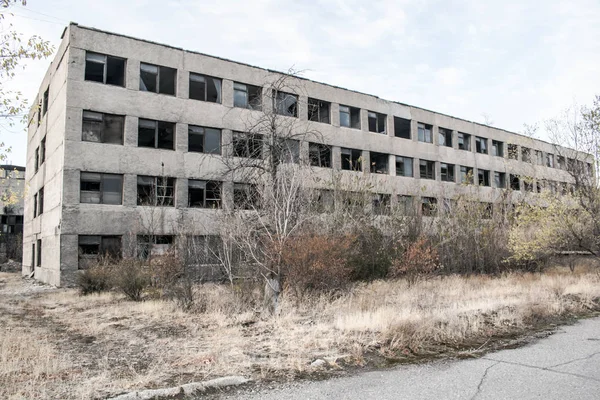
(438, 171)
(435, 134)
(71, 186)
(392, 165)
(227, 93)
(181, 137)
(336, 157)
(364, 120)
(130, 190)
(366, 162)
(227, 195)
(303, 108)
(455, 140)
(304, 154)
(226, 142)
(335, 114)
(390, 125)
(414, 130)
(181, 193)
(131, 131)
(132, 75)
(416, 169)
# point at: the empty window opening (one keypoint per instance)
(513, 152)
(38, 258)
(35, 205)
(381, 203)
(157, 79)
(37, 159)
(247, 96)
(464, 141)
(204, 194)
(94, 247)
(205, 88)
(319, 110)
(424, 133)
(497, 148)
(204, 140)
(380, 163)
(447, 172)
(428, 206)
(500, 180)
(377, 122)
(43, 150)
(319, 155)
(525, 154)
(324, 200)
(153, 245)
(245, 196)
(483, 177)
(550, 160)
(104, 69)
(560, 162)
(405, 204)
(46, 100)
(528, 184)
(481, 145)
(247, 145)
(102, 128)
(156, 134)
(351, 159)
(445, 137)
(404, 166)
(285, 103)
(96, 188)
(515, 182)
(350, 117)
(539, 157)
(427, 169)
(466, 175)
(155, 191)
(402, 128)
(40, 202)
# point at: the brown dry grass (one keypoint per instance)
(57, 344)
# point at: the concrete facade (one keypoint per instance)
(58, 123)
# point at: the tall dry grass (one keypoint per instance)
(101, 345)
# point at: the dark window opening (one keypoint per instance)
(156, 134)
(424, 133)
(351, 159)
(483, 177)
(41, 202)
(102, 128)
(157, 79)
(245, 196)
(38, 258)
(93, 247)
(528, 184)
(377, 122)
(46, 99)
(35, 205)
(204, 194)
(205, 88)
(402, 128)
(464, 141)
(285, 104)
(98, 188)
(404, 166)
(319, 110)
(155, 191)
(447, 172)
(247, 145)
(247, 96)
(104, 69)
(515, 182)
(204, 140)
(37, 159)
(43, 150)
(466, 175)
(550, 160)
(428, 206)
(381, 203)
(350, 117)
(513, 152)
(497, 148)
(539, 156)
(289, 151)
(500, 180)
(153, 245)
(525, 154)
(319, 155)
(380, 163)
(481, 145)
(405, 204)
(427, 169)
(445, 137)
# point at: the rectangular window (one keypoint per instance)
(464, 141)
(405, 204)
(428, 206)
(38, 258)
(525, 154)
(203, 251)
(319, 155)
(205, 88)
(381, 203)
(324, 200)
(204, 194)
(156, 134)
(37, 159)
(560, 162)
(351, 159)
(46, 100)
(98, 188)
(318, 110)
(245, 196)
(427, 169)
(404, 166)
(466, 175)
(289, 151)
(528, 184)
(41, 202)
(35, 205)
(377, 122)
(550, 160)
(204, 140)
(513, 152)
(380, 163)
(481, 145)
(32, 256)
(157, 79)
(155, 191)
(104, 69)
(497, 148)
(154, 245)
(285, 103)
(424, 133)
(94, 247)
(515, 182)
(447, 172)
(102, 128)
(445, 137)
(539, 157)
(247, 96)
(43, 150)
(350, 117)
(500, 180)
(402, 128)
(483, 177)
(247, 145)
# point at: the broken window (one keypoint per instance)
(525, 154)
(93, 247)
(285, 103)
(447, 172)
(157, 79)
(428, 206)
(445, 137)
(98, 188)
(38, 258)
(352, 201)
(405, 204)
(351, 159)
(204, 194)
(156, 134)
(404, 166)
(245, 196)
(464, 141)
(500, 180)
(424, 133)
(153, 245)
(102, 128)
(37, 159)
(155, 191)
(402, 128)
(350, 117)
(43, 150)
(550, 160)
(380, 163)
(515, 182)
(204, 140)
(539, 156)
(205, 88)
(324, 200)
(289, 151)
(481, 145)
(528, 184)
(104, 69)
(318, 110)
(41, 202)
(483, 177)
(381, 203)
(247, 145)
(377, 122)
(46, 100)
(560, 162)
(427, 169)
(466, 175)
(247, 96)
(319, 155)
(513, 152)
(497, 148)
(35, 205)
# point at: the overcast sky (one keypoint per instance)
(514, 61)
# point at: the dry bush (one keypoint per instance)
(131, 277)
(372, 254)
(419, 261)
(317, 263)
(95, 279)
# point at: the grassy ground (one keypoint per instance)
(57, 344)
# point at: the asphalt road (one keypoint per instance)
(565, 365)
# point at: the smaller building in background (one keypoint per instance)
(12, 193)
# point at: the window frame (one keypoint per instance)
(101, 184)
(191, 79)
(377, 119)
(424, 132)
(404, 162)
(446, 134)
(322, 149)
(154, 191)
(279, 102)
(350, 111)
(159, 71)
(481, 145)
(449, 175)
(206, 201)
(375, 166)
(315, 107)
(157, 123)
(89, 118)
(252, 144)
(204, 129)
(497, 148)
(105, 68)
(429, 172)
(245, 88)
(354, 163)
(464, 141)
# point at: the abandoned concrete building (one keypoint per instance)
(120, 117)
